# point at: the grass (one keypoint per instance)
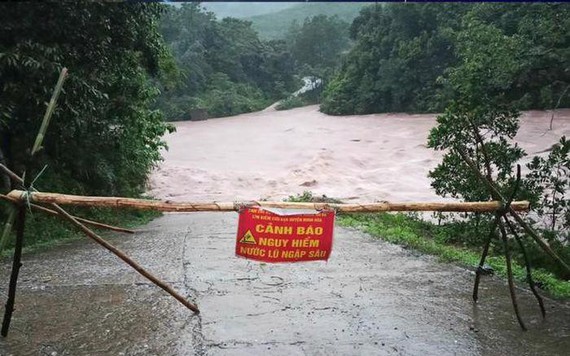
(43, 231)
(432, 239)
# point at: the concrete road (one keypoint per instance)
(371, 298)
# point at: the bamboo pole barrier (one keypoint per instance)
(168, 289)
(526, 227)
(18, 179)
(17, 264)
(85, 221)
(167, 206)
(22, 201)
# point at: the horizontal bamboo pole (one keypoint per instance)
(168, 206)
(19, 180)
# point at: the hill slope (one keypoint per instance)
(275, 25)
(241, 10)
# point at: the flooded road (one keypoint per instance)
(371, 298)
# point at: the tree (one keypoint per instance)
(400, 51)
(478, 121)
(550, 178)
(405, 55)
(319, 42)
(543, 67)
(225, 67)
(103, 138)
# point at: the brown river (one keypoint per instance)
(370, 298)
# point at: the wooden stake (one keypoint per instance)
(8, 228)
(510, 274)
(16, 264)
(144, 204)
(529, 279)
(49, 111)
(483, 258)
(22, 208)
(85, 221)
(529, 230)
(126, 258)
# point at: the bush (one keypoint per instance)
(291, 103)
(308, 197)
(235, 99)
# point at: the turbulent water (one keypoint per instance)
(273, 154)
(370, 298)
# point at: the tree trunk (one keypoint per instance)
(4, 179)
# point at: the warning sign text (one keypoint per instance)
(269, 237)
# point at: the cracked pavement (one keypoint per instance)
(370, 298)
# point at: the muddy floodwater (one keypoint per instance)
(370, 298)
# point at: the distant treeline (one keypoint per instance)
(416, 57)
(226, 69)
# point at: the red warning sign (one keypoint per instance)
(270, 237)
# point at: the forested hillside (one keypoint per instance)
(416, 57)
(276, 25)
(241, 10)
(226, 69)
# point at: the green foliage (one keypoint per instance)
(226, 98)
(456, 242)
(102, 133)
(224, 67)
(399, 53)
(540, 70)
(462, 129)
(291, 103)
(308, 197)
(550, 178)
(319, 42)
(478, 121)
(103, 139)
(417, 57)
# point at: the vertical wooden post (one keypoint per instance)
(16, 264)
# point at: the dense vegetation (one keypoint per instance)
(103, 138)
(408, 57)
(479, 67)
(317, 44)
(226, 69)
(504, 66)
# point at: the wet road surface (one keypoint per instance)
(371, 298)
